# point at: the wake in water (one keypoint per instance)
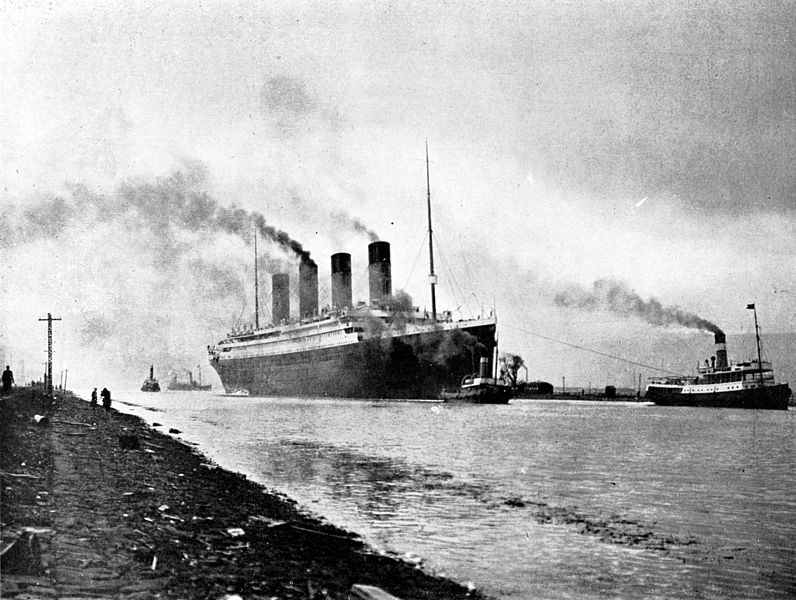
(441, 486)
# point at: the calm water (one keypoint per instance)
(531, 500)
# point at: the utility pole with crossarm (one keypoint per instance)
(48, 385)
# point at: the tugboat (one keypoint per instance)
(190, 385)
(480, 388)
(748, 384)
(151, 384)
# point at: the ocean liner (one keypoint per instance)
(384, 348)
(747, 384)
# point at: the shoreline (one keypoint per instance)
(157, 519)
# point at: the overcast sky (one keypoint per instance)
(650, 144)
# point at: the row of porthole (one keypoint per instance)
(714, 390)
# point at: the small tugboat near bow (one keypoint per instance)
(480, 388)
(151, 384)
(747, 384)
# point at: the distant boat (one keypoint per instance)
(748, 384)
(151, 384)
(480, 388)
(190, 385)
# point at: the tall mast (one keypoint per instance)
(432, 278)
(757, 338)
(256, 285)
(495, 368)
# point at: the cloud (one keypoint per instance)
(285, 96)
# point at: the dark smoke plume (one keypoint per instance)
(616, 297)
(345, 219)
(174, 202)
(149, 273)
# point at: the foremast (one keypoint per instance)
(432, 278)
(256, 285)
(757, 339)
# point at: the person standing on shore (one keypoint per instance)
(94, 397)
(8, 380)
(106, 399)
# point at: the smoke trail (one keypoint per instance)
(174, 202)
(344, 218)
(150, 273)
(616, 297)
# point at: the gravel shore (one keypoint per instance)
(97, 504)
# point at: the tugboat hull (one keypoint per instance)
(774, 397)
(482, 395)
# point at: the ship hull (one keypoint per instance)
(487, 394)
(773, 397)
(413, 366)
(150, 386)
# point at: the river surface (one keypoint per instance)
(537, 499)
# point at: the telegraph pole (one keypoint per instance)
(48, 384)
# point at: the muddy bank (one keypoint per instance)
(98, 504)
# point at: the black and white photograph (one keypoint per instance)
(395, 300)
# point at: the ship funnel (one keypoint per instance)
(379, 272)
(483, 372)
(308, 289)
(341, 280)
(721, 350)
(280, 297)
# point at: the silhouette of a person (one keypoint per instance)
(8, 380)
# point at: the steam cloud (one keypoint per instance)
(616, 297)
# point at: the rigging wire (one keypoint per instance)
(619, 358)
(414, 264)
(240, 316)
(453, 281)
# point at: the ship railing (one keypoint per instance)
(667, 380)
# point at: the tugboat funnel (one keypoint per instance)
(721, 350)
(483, 372)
